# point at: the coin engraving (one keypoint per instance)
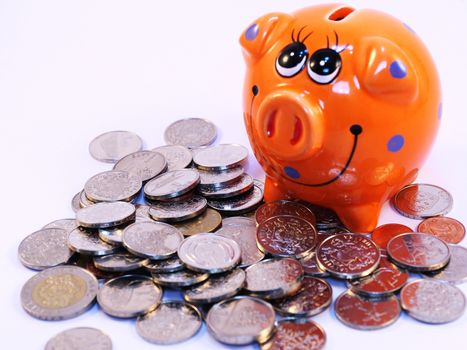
(447, 229)
(145, 164)
(111, 146)
(113, 185)
(191, 133)
(177, 156)
(80, 338)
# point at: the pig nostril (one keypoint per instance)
(271, 126)
(297, 132)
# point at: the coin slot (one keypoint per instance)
(340, 14)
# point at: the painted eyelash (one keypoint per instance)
(298, 40)
(336, 46)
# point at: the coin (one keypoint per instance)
(164, 266)
(113, 185)
(238, 204)
(178, 211)
(191, 132)
(274, 278)
(80, 338)
(238, 221)
(311, 267)
(220, 157)
(120, 262)
(418, 252)
(84, 201)
(241, 320)
(67, 224)
(145, 164)
(419, 201)
(333, 231)
(296, 334)
(105, 214)
(87, 262)
(208, 252)
(286, 236)
(45, 248)
(59, 293)
(142, 213)
(244, 184)
(182, 278)
(456, 271)
(154, 240)
(314, 297)
(284, 207)
(219, 179)
(208, 221)
(129, 296)
(172, 322)
(85, 241)
(216, 288)
(448, 229)
(348, 256)
(325, 218)
(112, 235)
(383, 234)
(75, 202)
(177, 156)
(432, 301)
(171, 184)
(368, 314)
(113, 145)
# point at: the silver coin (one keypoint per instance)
(241, 320)
(216, 288)
(75, 202)
(87, 242)
(208, 221)
(84, 201)
(105, 214)
(114, 145)
(238, 221)
(221, 157)
(244, 184)
(142, 213)
(164, 266)
(172, 322)
(177, 156)
(191, 132)
(119, 262)
(182, 278)
(80, 338)
(154, 240)
(129, 296)
(239, 204)
(178, 211)
(66, 224)
(432, 301)
(208, 252)
(59, 293)
(45, 248)
(113, 185)
(456, 271)
(112, 235)
(219, 179)
(145, 164)
(171, 184)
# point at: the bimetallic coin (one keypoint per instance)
(384, 233)
(191, 132)
(208, 252)
(178, 211)
(145, 164)
(244, 184)
(105, 214)
(219, 179)
(418, 252)
(241, 320)
(311, 267)
(129, 296)
(314, 297)
(67, 224)
(113, 185)
(112, 235)
(80, 338)
(113, 145)
(171, 184)
(238, 204)
(172, 322)
(279, 208)
(119, 262)
(216, 288)
(208, 221)
(177, 156)
(456, 271)
(59, 293)
(154, 240)
(419, 201)
(45, 248)
(448, 229)
(182, 278)
(432, 301)
(274, 278)
(286, 236)
(220, 157)
(75, 202)
(164, 266)
(366, 314)
(85, 241)
(348, 256)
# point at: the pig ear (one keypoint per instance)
(259, 37)
(385, 71)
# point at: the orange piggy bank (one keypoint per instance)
(341, 107)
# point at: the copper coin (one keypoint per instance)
(360, 313)
(448, 229)
(286, 236)
(418, 252)
(383, 234)
(348, 256)
(284, 207)
(419, 201)
(311, 267)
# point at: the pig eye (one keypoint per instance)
(324, 66)
(292, 59)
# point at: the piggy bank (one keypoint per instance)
(341, 107)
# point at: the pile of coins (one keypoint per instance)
(186, 217)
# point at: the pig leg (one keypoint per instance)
(273, 191)
(361, 218)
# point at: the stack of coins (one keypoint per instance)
(186, 217)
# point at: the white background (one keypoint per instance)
(70, 70)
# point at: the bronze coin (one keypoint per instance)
(383, 234)
(284, 207)
(448, 229)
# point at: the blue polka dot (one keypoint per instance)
(397, 70)
(440, 110)
(291, 172)
(395, 143)
(252, 32)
